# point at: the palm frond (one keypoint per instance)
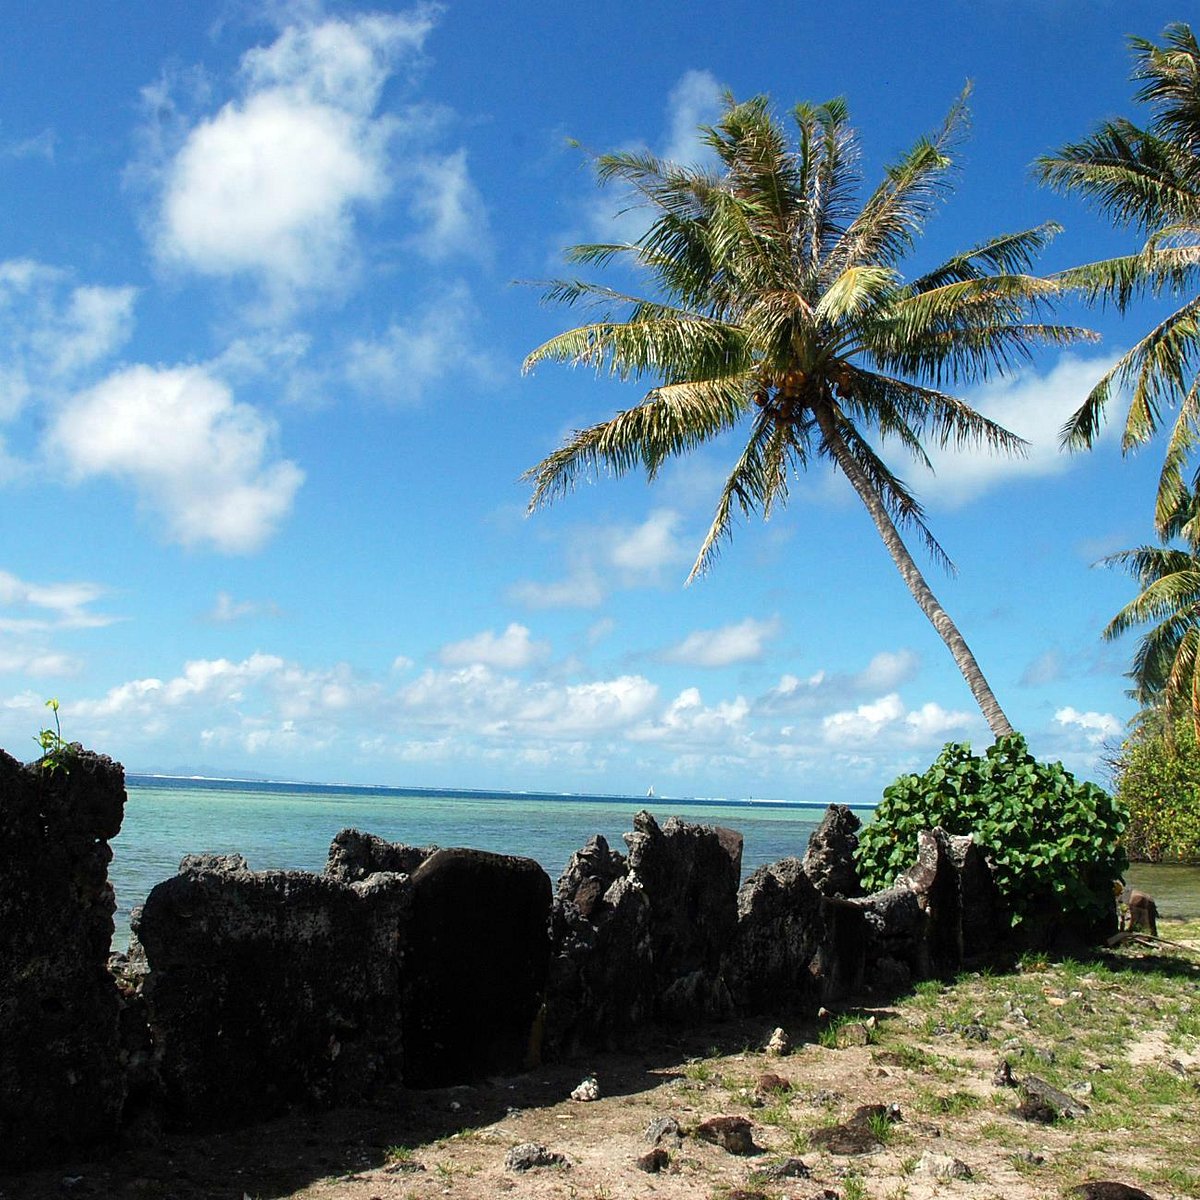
(670, 421)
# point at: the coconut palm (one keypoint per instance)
(777, 305)
(1147, 178)
(1166, 666)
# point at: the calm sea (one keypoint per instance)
(291, 825)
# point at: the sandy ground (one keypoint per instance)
(453, 1142)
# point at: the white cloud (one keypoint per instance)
(694, 101)
(688, 720)
(887, 670)
(511, 650)
(226, 609)
(271, 185)
(1032, 406)
(739, 643)
(448, 206)
(201, 461)
(62, 605)
(51, 331)
(646, 549)
(605, 558)
(434, 344)
(888, 718)
(268, 187)
(1097, 727)
(580, 589)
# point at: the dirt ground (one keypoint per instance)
(1125, 1034)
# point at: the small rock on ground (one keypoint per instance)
(734, 1134)
(527, 1155)
(1107, 1190)
(588, 1090)
(789, 1168)
(664, 1131)
(654, 1161)
(943, 1166)
(779, 1044)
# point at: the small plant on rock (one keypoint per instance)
(56, 752)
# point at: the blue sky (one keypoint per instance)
(262, 420)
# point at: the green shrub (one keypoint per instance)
(1049, 837)
(1158, 780)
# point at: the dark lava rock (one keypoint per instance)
(734, 1134)
(285, 981)
(643, 936)
(769, 1083)
(845, 1139)
(789, 1168)
(354, 855)
(829, 860)
(528, 1155)
(1034, 1108)
(864, 1114)
(780, 933)
(654, 1161)
(476, 961)
(1004, 1076)
(62, 1082)
(1105, 1190)
(1040, 1093)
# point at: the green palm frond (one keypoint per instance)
(770, 297)
(757, 483)
(671, 420)
(1009, 254)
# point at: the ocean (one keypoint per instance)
(291, 825)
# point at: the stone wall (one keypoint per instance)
(246, 992)
(62, 1081)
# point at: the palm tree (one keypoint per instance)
(1166, 666)
(1149, 179)
(778, 305)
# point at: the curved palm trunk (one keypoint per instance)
(911, 574)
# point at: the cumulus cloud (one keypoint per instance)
(888, 718)
(723, 647)
(511, 650)
(580, 589)
(271, 185)
(1030, 405)
(1096, 727)
(199, 460)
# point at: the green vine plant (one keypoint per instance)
(56, 752)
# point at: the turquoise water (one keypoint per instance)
(291, 825)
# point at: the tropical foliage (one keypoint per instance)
(1157, 777)
(1147, 178)
(776, 306)
(1166, 665)
(1050, 838)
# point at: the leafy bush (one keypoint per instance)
(1158, 780)
(1048, 836)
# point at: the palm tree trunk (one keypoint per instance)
(911, 574)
